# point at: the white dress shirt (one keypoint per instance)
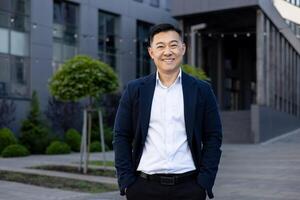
(166, 149)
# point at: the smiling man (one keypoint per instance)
(167, 133)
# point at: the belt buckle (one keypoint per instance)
(165, 180)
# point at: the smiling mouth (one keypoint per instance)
(169, 60)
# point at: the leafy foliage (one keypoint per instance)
(64, 115)
(109, 104)
(95, 146)
(82, 77)
(15, 150)
(108, 134)
(196, 72)
(34, 132)
(7, 112)
(57, 147)
(6, 138)
(73, 139)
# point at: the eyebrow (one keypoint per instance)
(158, 43)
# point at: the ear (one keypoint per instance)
(150, 51)
(183, 48)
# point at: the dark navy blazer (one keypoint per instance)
(202, 122)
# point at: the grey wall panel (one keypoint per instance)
(42, 35)
(236, 127)
(41, 52)
(271, 123)
(40, 73)
(127, 61)
(42, 12)
(183, 7)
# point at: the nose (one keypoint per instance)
(167, 51)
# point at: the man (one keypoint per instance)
(167, 133)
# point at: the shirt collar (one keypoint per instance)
(178, 79)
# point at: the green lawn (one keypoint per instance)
(101, 163)
(72, 169)
(57, 182)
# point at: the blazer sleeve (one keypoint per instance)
(212, 140)
(123, 136)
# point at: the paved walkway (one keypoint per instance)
(269, 171)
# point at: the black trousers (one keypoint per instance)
(144, 189)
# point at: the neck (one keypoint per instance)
(168, 79)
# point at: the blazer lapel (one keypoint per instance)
(190, 99)
(146, 96)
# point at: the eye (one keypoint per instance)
(160, 47)
(173, 46)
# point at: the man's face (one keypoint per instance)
(167, 51)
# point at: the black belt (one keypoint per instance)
(169, 179)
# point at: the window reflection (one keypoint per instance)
(14, 48)
(107, 38)
(65, 31)
(143, 63)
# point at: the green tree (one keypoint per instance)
(82, 77)
(196, 72)
(34, 131)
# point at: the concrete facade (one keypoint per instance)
(250, 46)
(127, 12)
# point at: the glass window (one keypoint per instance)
(107, 38)
(5, 5)
(20, 76)
(4, 70)
(20, 6)
(14, 47)
(4, 75)
(57, 51)
(58, 13)
(19, 23)
(65, 31)
(65, 13)
(58, 31)
(69, 51)
(4, 19)
(154, 3)
(19, 43)
(4, 40)
(143, 63)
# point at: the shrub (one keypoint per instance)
(34, 132)
(15, 150)
(6, 138)
(7, 112)
(35, 137)
(108, 132)
(58, 147)
(73, 139)
(95, 146)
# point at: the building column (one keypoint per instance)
(260, 55)
(298, 85)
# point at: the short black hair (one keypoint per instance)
(161, 28)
